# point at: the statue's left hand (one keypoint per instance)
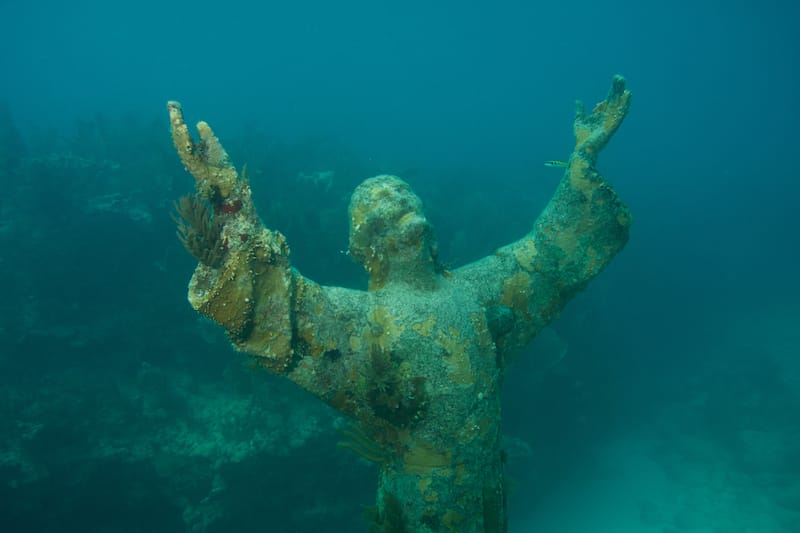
(593, 131)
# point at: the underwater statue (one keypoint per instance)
(417, 360)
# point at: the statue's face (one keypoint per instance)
(386, 219)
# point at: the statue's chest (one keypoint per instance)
(436, 332)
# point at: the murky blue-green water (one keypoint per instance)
(675, 406)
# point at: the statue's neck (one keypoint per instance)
(419, 274)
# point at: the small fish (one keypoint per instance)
(554, 163)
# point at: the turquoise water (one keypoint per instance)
(672, 400)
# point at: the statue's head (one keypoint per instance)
(389, 234)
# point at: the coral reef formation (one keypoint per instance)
(417, 360)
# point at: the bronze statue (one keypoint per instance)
(417, 360)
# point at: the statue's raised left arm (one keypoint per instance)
(526, 284)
